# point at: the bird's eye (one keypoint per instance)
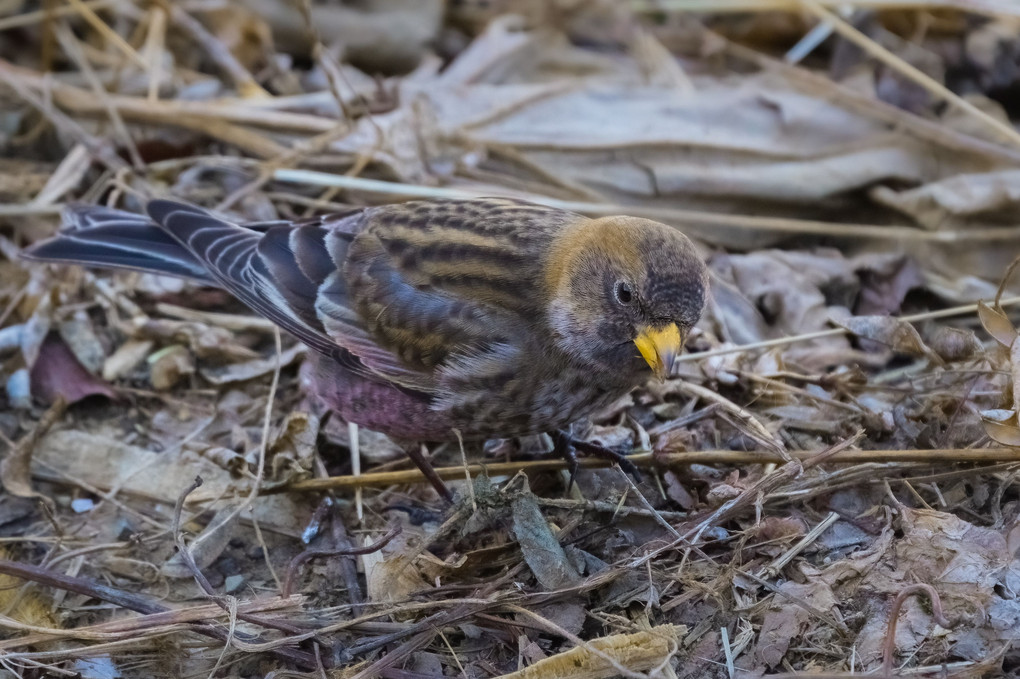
(624, 293)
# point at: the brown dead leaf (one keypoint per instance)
(205, 341)
(786, 623)
(638, 652)
(962, 561)
(997, 324)
(885, 281)
(895, 333)
(948, 202)
(781, 528)
(1002, 426)
(955, 344)
(207, 545)
(104, 462)
(678, 493)
(126, 358)
(248, 370)
(15, 468)
(80, 337)
(290, 453)
(390, 577)
(57, 373)
(170, 365)
(542, 551)
(226, 458)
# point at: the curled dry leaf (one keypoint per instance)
(248, 370)
(80, 337)
(206, 341)
(997, 324)
(893, 332)
(126, 358)
(600, 658)
(15, 474)
(783, 624)
(168, 366)
(291, 451)
(223, 457)
(1001, 426)
(58, 373)
(955, 344)
(945, 203)
(15, 469)
(392, 573)
(542, 551)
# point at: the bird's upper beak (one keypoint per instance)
(660, 347)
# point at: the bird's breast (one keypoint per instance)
(532, 404)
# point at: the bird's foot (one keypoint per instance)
(567, 447)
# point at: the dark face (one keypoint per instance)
(632, 304)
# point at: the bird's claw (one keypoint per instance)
(567, 447)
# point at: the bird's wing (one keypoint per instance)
(430, 296)
(448, 286)
(278, 269)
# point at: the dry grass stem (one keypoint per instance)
(690, 218)
(652, 460)
(1003, 130)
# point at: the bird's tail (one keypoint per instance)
(92, 235)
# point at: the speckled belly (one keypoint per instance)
(406, 415)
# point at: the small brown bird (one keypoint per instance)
(428, 320)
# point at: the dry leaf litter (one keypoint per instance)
(829, 483)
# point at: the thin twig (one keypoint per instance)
(651, 460)
(309, 554)
(37, 16)
(217, 51)
(840, 25)
(129, 601)
(986, 7)
(86, 12)
(960, 310)
(692, 219)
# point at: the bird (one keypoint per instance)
(435, 320)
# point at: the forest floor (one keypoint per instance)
(829, 481)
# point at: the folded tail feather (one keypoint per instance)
(276, 268)
(104, 237)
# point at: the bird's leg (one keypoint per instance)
(415, 451)
(563, 445)
(567, 446)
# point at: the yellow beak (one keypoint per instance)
(660, 347)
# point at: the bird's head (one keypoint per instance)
(625, 292)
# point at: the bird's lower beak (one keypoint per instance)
(660, 347)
